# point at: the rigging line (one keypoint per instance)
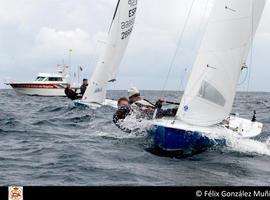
(207, 22)
(178, 46)
(182, 87)
(245, 78)
(252, 45)
(183, 79)
(200, 31)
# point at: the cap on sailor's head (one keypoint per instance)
(133, 91)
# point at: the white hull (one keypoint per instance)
(107, 102)
(40, 92)
(45, 84)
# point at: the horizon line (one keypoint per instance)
(170, 90)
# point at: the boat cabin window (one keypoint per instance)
(56, 79)
(210, 93)
(40, 78)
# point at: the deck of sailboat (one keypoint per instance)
(93, 105)
(248, 128)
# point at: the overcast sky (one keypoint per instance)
(35, 36)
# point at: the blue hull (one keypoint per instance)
(170, 140)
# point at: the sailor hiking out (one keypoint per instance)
(70, 93)
(142, 108)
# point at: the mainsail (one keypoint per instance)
(109, 61)
(211, 88)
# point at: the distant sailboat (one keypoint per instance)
(209, 95)
(106, 68)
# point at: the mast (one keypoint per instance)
(115, 12)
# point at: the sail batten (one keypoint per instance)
(211, 88)
(109, 61)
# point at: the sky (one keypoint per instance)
(36, 35)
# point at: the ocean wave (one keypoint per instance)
(44, 140)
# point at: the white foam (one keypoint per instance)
(118, 135)
(242, 145)
(136, 124)
(248, 146)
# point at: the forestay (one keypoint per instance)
(108, 63)
(211, 88)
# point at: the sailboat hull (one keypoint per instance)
(107, 102)
(170, 135)
(171, 139)
(36, 89)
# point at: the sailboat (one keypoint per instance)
(109, 61)
(205, 107)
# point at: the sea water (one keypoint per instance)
(47, 141)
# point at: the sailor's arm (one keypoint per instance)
(121, 115)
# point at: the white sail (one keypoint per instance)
(108, 63)
(210, 91)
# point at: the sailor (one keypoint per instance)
(143, 109)
(254, 116)
(84, 86)
(134, 96)
(123, 111)
(70, 93)
(160, 113)
(147, 109)
(137, 102)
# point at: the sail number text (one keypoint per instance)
(127, 24)
(132, 2)
(132, 12)
(125, 34)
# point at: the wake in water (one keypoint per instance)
(248, 146)
(242, 145)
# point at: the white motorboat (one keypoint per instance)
(46, 84)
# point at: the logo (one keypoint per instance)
(15, 193)
(98, 90)
(186, 108)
